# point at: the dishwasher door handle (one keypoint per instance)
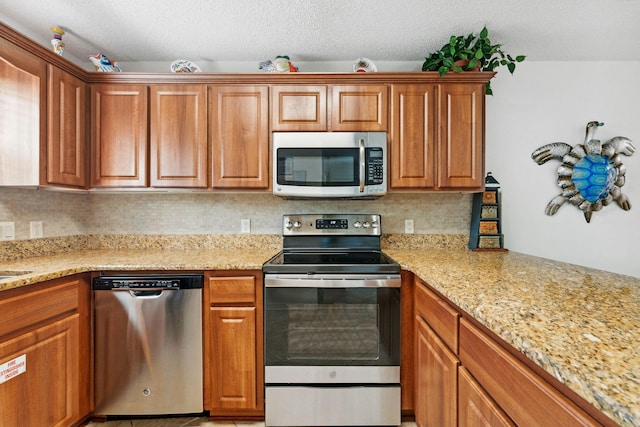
(146, 294)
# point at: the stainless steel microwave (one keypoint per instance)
(329, 164)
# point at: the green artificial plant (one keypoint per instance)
(471, 53)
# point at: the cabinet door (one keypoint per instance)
(178, 136)
(359, 108)
(524, 396)
(475, 407)
(461, 149)
(23, 86)
(47, 392)
(66, 141)
(119, 136)
(436, 390)
(240, 136)
(235, 368)
(413, 137)
(299, 108)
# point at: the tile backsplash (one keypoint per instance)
(69, 213)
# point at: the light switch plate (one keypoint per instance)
(245, 226)
(8, 230)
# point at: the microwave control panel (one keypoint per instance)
(375, 166)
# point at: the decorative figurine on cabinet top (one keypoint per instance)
(102, 63)
(281, 64)
(591, 174)
(56, 42)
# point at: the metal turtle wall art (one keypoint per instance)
(591, 174)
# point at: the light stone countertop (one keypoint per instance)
(581, 325)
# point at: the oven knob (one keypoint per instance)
(288, 225)
(374, 224)
(365, 224)
(297, 224)
(332, 374)
(356, 224)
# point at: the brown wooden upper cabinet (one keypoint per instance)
(437, 137)
(361, 107)
(178, 136)
(239, 131)
(23, 122)
(66, 142)
(119, 136)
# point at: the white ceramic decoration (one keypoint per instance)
(184, 66)
(280, 64)
(56, 42)
(102, 63)
(364, 65)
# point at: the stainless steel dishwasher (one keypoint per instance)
(148, 344)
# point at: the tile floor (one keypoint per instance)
(187, 422)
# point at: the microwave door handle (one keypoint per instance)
(362, 162)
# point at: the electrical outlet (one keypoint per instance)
(36, 229)
(245, 226)
(408, 226)
(8, 230)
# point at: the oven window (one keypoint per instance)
(328, 326)
(318, 167)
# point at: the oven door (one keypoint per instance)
(332, 328)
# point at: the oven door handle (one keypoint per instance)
(330, 281)
(362, 164)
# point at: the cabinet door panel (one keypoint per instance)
(475, 407)
(299, 108)
(436, 391)
(413, 136)
(66, 152)
(235, 373)
(240, 136)
(23, 88)
(47, 393)
(119, 136)
(359, 108)
(178, 136)
(461, 150)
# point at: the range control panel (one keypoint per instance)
(338, 224)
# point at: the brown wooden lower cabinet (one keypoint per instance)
(527, 398)
(475, 406)
(436, 383)
(44, 340)
(234, 379)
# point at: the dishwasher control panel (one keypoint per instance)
(147, 282)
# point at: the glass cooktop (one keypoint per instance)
(328, 262)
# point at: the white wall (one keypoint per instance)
(545, 102)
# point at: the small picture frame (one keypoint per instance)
(489, 212)
(489, 197)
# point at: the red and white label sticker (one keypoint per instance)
(13, 368)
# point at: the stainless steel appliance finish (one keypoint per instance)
(148, 345)
(329, 164)
(332, 325)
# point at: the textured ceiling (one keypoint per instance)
(327, 30)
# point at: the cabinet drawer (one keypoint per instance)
(526, 398)
(29, 307)
(232, 290)
(442, 318)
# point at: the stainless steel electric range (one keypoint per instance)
(332, 325)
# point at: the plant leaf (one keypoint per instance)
(511, 66)
(472, 64)
(484, 33)
(520, 58)
(443, 70)
(479, 54)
